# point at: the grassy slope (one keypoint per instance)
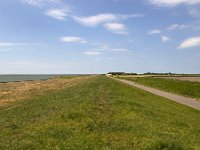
(99, 114)
(16, 91)
(185, 88)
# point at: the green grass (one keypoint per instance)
(185, 88)
(99, 113)
(72, 76)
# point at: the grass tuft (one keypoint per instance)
(166, 146)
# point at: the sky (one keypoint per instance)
(99, 36)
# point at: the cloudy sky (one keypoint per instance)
(98, 36)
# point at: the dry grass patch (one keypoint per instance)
(193, 79)
(16, 91)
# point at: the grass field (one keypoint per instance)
(185, 88)
(17, 91)
(99, 113)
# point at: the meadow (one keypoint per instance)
(185, 88)
(98, 113)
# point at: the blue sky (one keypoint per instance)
(98, 36)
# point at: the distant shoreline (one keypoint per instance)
(31, 77)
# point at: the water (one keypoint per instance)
(15, 78)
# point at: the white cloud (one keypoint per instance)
(165, 39)
(105, 49)
(9, 44)
(40, 3)
(3, 50)
(173, 3)
(69, 39)
(110, 49)
(109, 21)
(194, 12)
(59, 14)
(118, 28)
(95, 20)
(190, 42)
(130, 16)
(115, 26)
(6, 44)
(103, 18)
(92, 53)
(156, 31)
(119, 50)
(190, 26)
(176, 27)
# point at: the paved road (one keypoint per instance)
(177, 98)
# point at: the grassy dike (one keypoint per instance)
(185, 88)
(99, 113)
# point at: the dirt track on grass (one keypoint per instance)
(179, 99)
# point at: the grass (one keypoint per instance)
(99, 113)
(73, 76)
(185, 88)
(17, 91)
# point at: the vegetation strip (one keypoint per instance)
(179, 99)
(184, 88)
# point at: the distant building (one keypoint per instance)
(116, 73)
(120, 73)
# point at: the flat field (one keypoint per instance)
(185, 88)
(98, 113)
(193, 79)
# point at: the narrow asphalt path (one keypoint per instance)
(177, 98)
